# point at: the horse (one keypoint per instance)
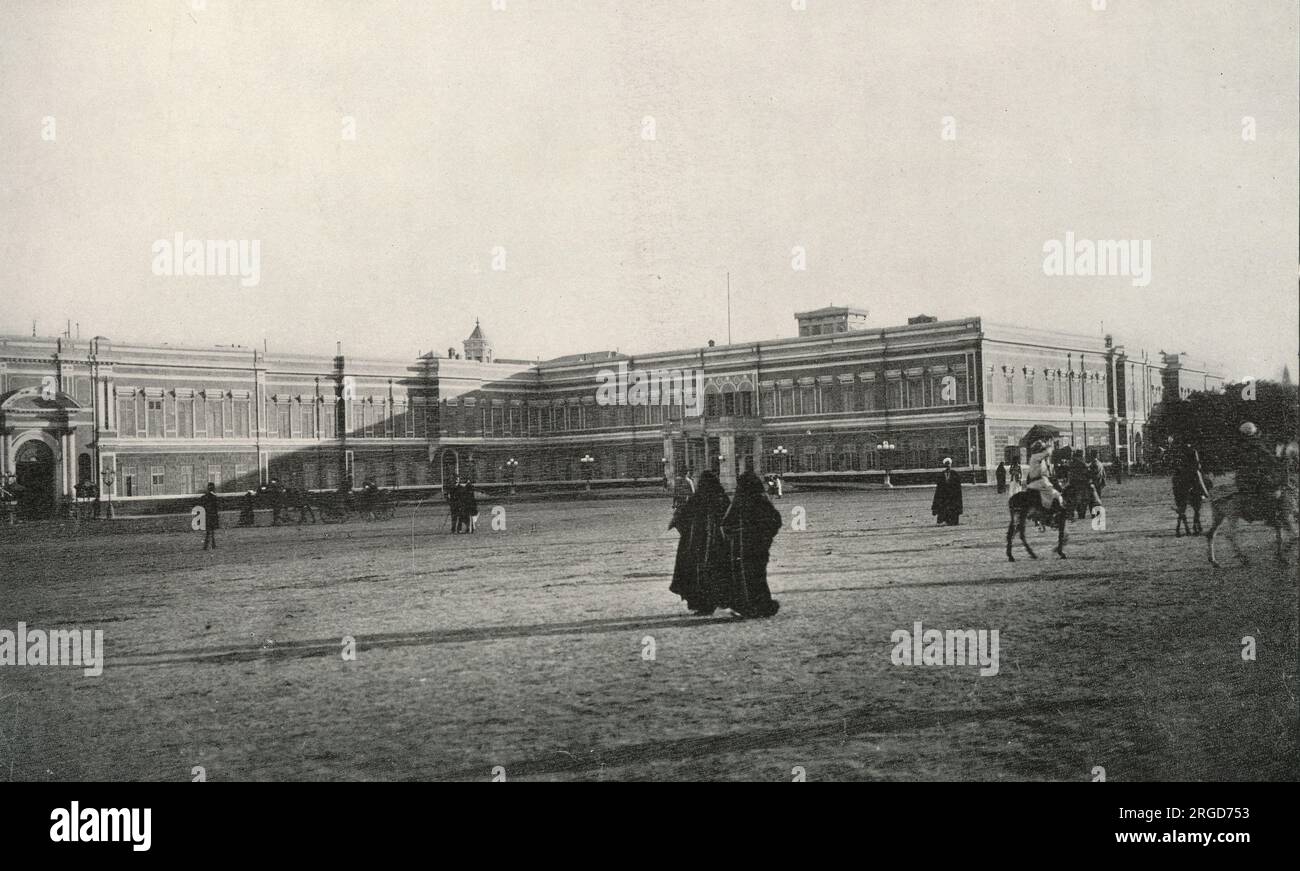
(1188, 491)
(1026, 504)
(1277, 510)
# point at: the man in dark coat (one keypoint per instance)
(701, 574)
(946, 506)
(211, 506)
(1001, 475)
(750, 525)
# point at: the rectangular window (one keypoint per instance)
(215, 419)
(186, 479)
(126, 416)
(307, 420)
(185, 418)
(241, 476)
(128, 481)
(787, 401)
(769, 403)
(156, 479)
(154, 418)
(240, 412)
(214, 474)
(894, 393)
(284, 419)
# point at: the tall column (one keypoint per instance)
(759, 461)
(727, 468)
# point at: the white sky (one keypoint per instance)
(774, 128)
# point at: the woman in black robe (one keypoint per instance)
(750, 525)
(946, 506)
(701, 574)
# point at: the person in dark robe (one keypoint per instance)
(750, 524)
(469, 505)
(456, 505)
(247, 517)
(701, 574)
(1001, 475)
(946, 506)
(211, 516)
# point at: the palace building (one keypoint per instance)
(840, 400)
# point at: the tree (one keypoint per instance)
(1209, 421)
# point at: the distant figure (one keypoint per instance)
(452, 495)
(211, 516)
(750, 524)
(470, 503)
(780, 485)
(1001, 475)
(946, 506)
(701, 573)
(1014, 477)
(1097, 475)
(1119, 469)
(246, 515)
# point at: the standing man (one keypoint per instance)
(946, 506)
(1001, 475)
(211, 506)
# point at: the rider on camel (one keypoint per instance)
(1039, 474)
(1256, 468)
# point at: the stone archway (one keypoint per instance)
(450, 467)
(34, 466)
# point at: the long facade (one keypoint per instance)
(839, 400)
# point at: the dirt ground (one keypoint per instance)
(527, 649)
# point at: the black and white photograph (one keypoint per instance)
(663, 390)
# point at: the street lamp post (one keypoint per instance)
(109, 476)
(587, 461)
(8, 500)
(886, 449)
(511, 465)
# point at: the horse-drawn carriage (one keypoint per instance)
(370, 503)
(292, 505)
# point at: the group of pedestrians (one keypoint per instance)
(462, 504)
(723, 548)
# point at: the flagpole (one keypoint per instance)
(728, 307)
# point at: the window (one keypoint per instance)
(215, 419)
(807, 401)
(241, 417)
(894, 393)
(156, 479)
(128, 481)
(241, 471)
(126, 416)
(787, 401)
(284, 420)
(214, 475)
(187, 479)
(154, 418)
(307, 420)
(185, 418)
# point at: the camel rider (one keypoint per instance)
(1039, 475)
(1256, 466)
(1189, 470)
